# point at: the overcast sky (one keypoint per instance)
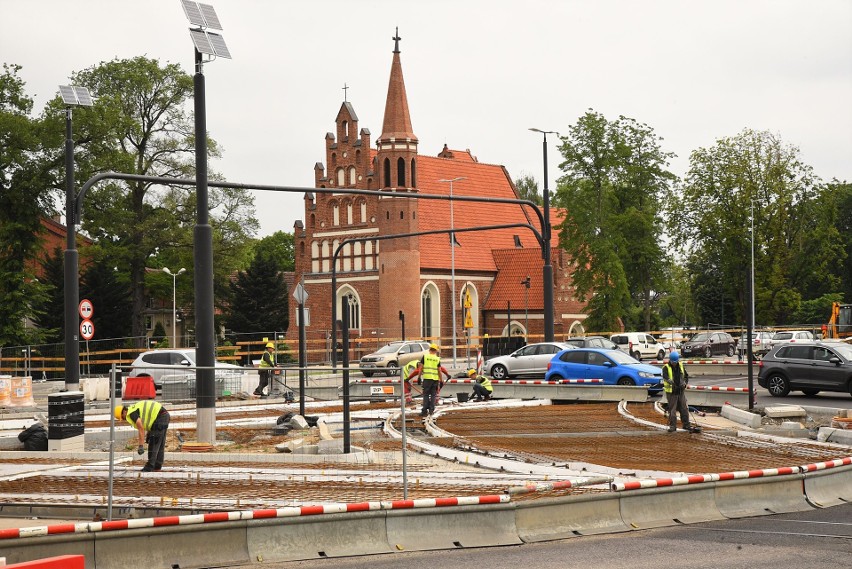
(478, 73)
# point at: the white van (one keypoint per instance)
(640, 345)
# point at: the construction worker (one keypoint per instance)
(675, 380)
(407, 370)
(482, 388)
(429, 370)
(266, 364)
(151, 417)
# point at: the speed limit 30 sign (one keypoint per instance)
(87, 329)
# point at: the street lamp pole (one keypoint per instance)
(547, 270)
(526, 283)
(174, 302)
(453, 263)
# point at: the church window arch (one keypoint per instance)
(400, 172)
(341, 177)
(430, 313)
(315, 257)
(348, 299)
(325, 257)
(387, 173)
(346, 129)
(413, 173)
(335, 213)
(352, 175)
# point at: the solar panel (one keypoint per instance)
(84, 99)
(75, 96)
(68, 96)
(219, 46)
(202, 43)
(193, 13)
(209, 15)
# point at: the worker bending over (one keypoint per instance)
(151, 417)
(482, 388)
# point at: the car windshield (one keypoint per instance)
(389, 349)
(782, 336)
(621, 358)
(844, 350)
(700, 338)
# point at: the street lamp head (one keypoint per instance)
(167, 271)
(181, 271)
(454, 179)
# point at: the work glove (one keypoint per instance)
(140, 450)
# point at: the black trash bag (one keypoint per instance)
(34, 437)
(312, 420)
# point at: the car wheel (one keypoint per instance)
(778, 385)
(393, 369)
(367, 373)
(637, 355)
(810, 392)
(730, 351)
(499, 372)
(708, 353)
(626, 381)
(661, 355)
(555, 377)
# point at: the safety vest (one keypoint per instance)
(148, 411)
(266, 360)
(408, 368)
(431, 363)
(668, 378)
(485, 381)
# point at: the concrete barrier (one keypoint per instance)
(26, 549)
(644, 509)
(761, 497)
(334, 535)
(451, 528)
(831, 487)
(571, 516)
(708, 396)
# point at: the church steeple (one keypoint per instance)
(397, 145)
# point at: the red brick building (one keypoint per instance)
(377, 279)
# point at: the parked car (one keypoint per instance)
(709, 344)
(614, 367)
(639, 345)
(592, 342)
(809, 367)
(790, 336)
(532, 359)
(159, 363)
(759, 344)
(389, 358)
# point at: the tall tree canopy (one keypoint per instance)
(259, 302)
(140, 125)
(795, 240)
(614, 180)
(528, 189)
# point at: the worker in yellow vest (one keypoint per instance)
(429, 371)
(267, 362)
(151, 417)
(482, 389)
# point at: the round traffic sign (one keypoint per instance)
(87, 329)
(86, 309)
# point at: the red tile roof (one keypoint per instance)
(514, 266)
(481, 180)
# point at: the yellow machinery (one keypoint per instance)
(840, 324)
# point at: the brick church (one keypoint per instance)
(498, 273)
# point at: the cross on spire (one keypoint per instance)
(396, 39)
(345, 87)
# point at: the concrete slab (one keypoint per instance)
(742, 417)
(782, 411)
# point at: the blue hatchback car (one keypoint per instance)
(614, 367)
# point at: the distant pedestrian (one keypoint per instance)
(429, 370)
(482, 388)
(675, 380)
(151, 417)
(267, 362)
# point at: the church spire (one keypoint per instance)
(397, 122)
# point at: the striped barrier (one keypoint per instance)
(829, 483)
(717, 388)
(560, 485)
(702, 478)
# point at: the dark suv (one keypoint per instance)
(809, 367)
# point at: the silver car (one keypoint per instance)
(159, 363)
(532, 359)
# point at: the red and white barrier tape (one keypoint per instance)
(739, 475)
(716, 388)
(92, 527)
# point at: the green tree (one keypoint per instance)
(108, 290)
(710, 218)
(50, 315)
(614, 179)
(277, 248)
(259, 299)
(141, 124)
(528, 189)
(25, 194)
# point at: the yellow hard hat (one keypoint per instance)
(117, 411)
(471, 372)
(433, 347)
(270, 345)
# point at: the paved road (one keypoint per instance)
(823, 399)
(818, 539)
